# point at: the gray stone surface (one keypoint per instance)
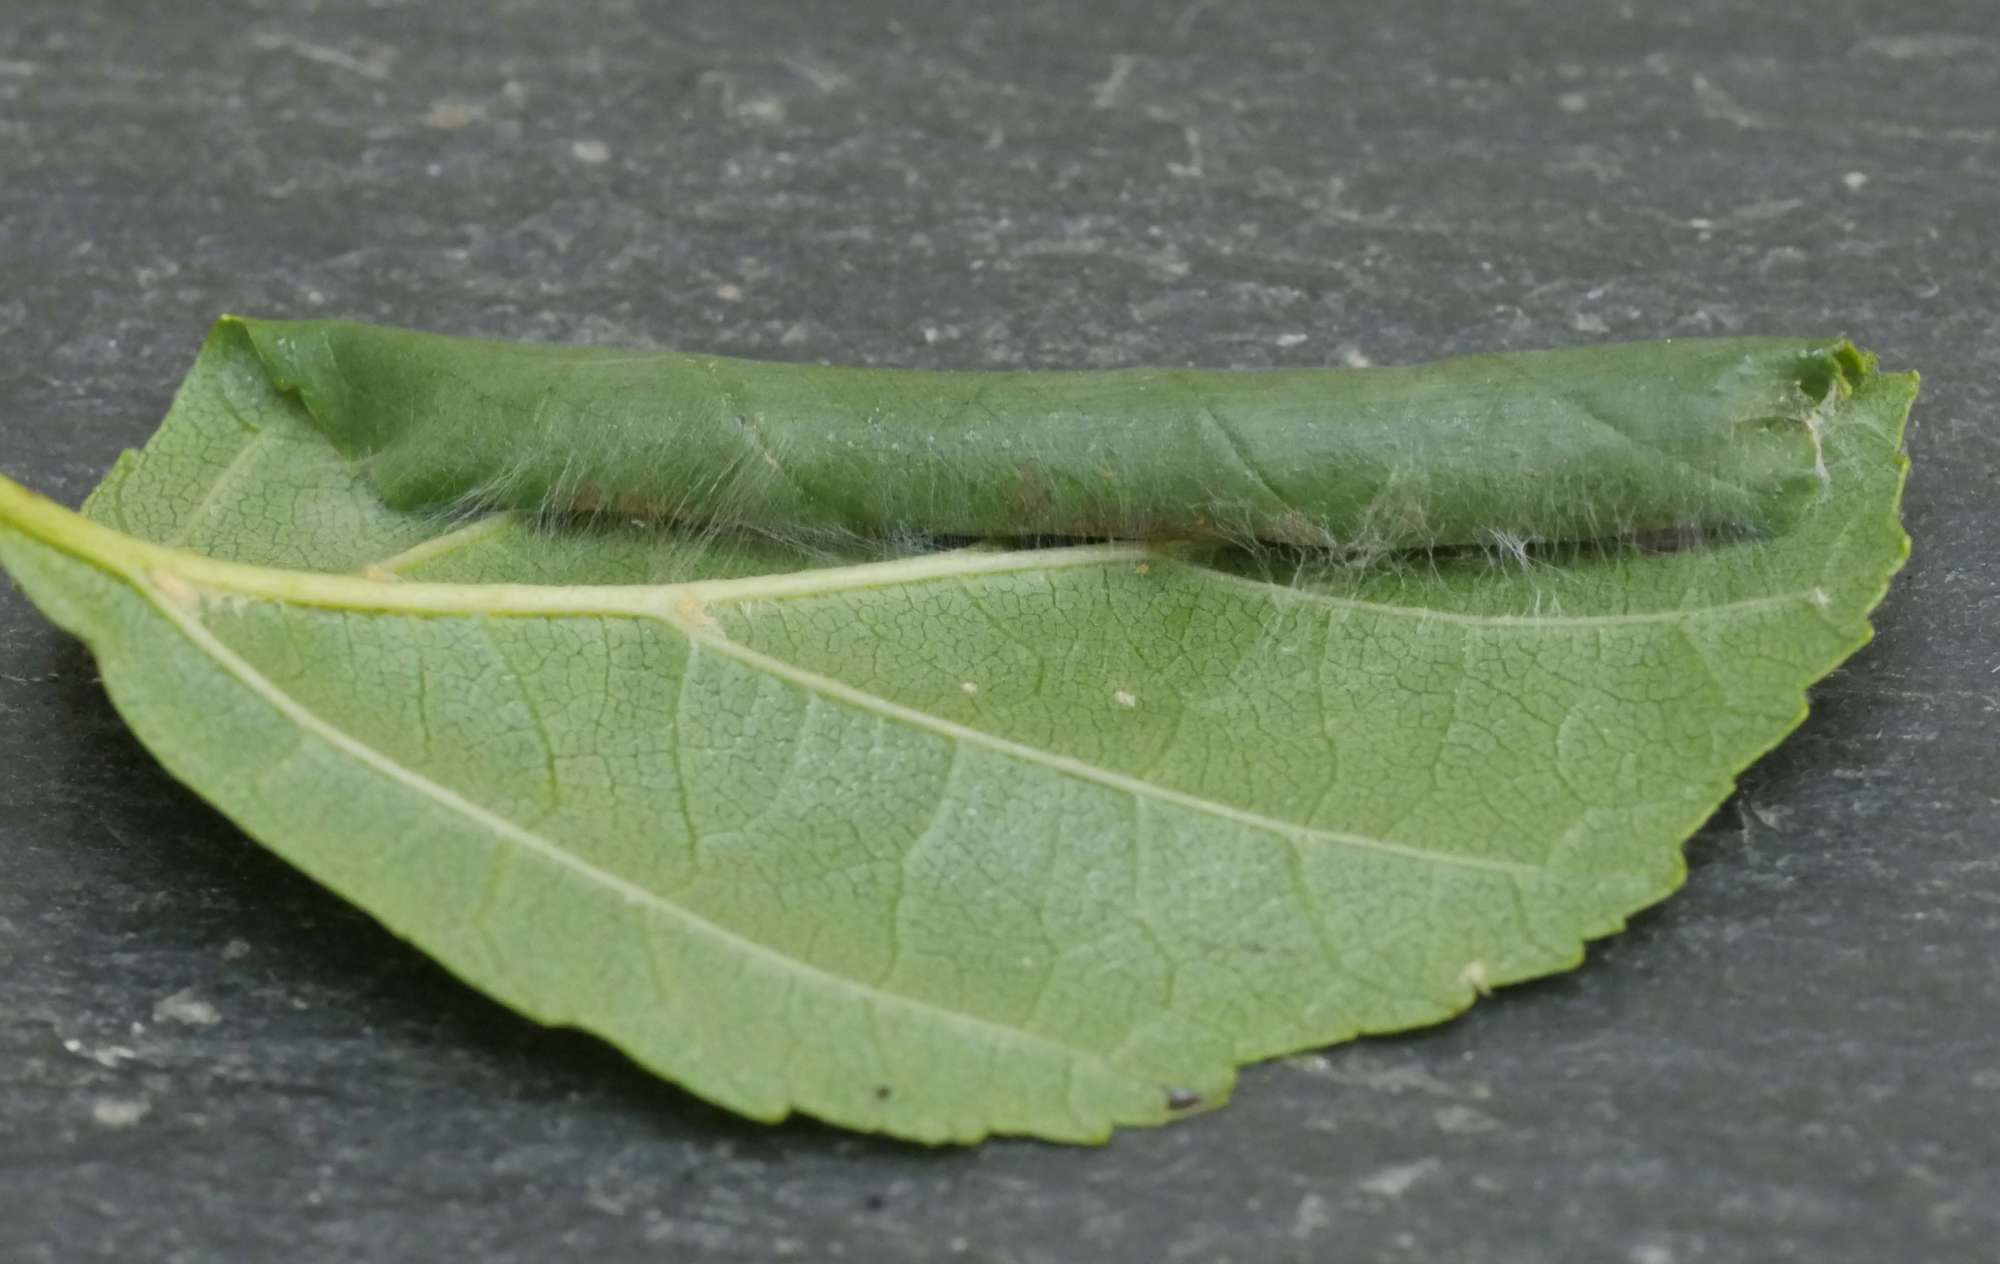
(204, 1057)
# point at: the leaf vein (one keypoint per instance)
(530, 841)
(1064, 764)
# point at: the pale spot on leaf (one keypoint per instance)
(173, 588)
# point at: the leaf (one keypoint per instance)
(1034, 841)
(1542, 445)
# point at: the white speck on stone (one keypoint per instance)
(1770, 818)
(185, 1006)
(968, 688)
(1783, 257)
(236, 950)
(1460, 1120)
(109, 1056)
(1105, 94)
(1650, 1253)
(1125, 698)
(930, 335)
(1573, 102)
(729, 293)
(1290, 340)
(1588, 323)
(1310, 1217)
(120, 1112)
(1353, 357)
(1855, 180)
(372, 64)
(1701, 221)
(594, 152)
(1394, 1182)
(450, 116)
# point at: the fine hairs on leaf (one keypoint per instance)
(1368, 460)
(955, 754)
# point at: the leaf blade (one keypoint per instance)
(1121, 910)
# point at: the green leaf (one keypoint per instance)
(1031, 841)
(1544, 445)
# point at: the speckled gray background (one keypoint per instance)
(203, 1057)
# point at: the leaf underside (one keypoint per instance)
(1042, 841)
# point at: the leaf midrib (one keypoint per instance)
(684, 608)
(76, 534)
